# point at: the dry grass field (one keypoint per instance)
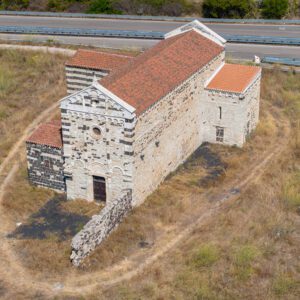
(249, 251)
(29, 83)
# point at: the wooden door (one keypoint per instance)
(99, 188)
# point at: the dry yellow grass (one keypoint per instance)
(236, 255)
(24, 94)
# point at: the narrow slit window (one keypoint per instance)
(220, 112)
(220, 134)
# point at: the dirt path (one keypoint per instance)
(9, 263)
(128, 268)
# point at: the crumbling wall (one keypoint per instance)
(99, 227)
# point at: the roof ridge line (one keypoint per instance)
(122, 70)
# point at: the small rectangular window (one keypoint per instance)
(220, 112)
(220, 134)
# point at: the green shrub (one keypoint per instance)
(243, 259)
(228, 8)
(206, 256)
(274, 9)
(55, 5)
(103, 7)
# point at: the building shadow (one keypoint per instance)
(51, 220)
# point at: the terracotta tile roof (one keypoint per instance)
(97, 60)
(233, 78)
(156, 72)
(47, 134)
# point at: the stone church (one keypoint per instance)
(130, 121)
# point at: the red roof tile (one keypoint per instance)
(233, 78)
(97, 60)
(47, 134)
(156, 72)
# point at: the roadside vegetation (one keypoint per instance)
(270, 9)
(250, 250)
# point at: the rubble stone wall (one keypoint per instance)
(99, 227)
(45, 166)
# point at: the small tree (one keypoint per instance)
(102, 6)
(274, 9)
(227, 8)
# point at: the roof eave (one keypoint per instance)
(44, 144)
(199, 28)
(238, 93)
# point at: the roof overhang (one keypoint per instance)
(201, 29)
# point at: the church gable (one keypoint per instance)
(97, 100)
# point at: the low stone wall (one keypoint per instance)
(99, 227)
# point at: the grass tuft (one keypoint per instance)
(291, 191)
(243, 259)
(284, 284)
(206, 256)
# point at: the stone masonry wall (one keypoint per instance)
(45, 166)
(108, 155)
(236, 111)
(99, 227)
(168, 132)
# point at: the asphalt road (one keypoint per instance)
(236, 29)
(236, 51)
(239, 51)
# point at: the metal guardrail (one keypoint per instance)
(148, 18)
(282, 61)
(152, 35)
(271, 40)
(82, 32)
